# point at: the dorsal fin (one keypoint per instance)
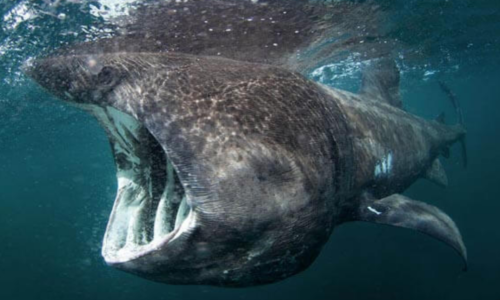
(436, 174)
(381, 82)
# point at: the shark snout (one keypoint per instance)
(52, 75)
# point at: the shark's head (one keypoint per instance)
(222, 173)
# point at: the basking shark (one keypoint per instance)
(234, 172)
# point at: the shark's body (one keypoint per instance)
(235, 173)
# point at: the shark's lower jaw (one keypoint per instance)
(150, 208)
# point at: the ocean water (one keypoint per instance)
(57, 175)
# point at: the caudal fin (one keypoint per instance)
(460, 118)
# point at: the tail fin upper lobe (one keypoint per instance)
(456, 104)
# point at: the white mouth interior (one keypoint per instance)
(151, 205)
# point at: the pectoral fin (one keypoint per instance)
(398, 210)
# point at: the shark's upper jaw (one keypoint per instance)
(151, 207)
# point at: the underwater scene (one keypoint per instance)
(249, 149)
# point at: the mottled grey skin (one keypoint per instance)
(377, 129)
(270, 161)
(263, 196)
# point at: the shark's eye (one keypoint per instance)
(108, 76)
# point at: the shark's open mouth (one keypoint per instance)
(151, 206)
